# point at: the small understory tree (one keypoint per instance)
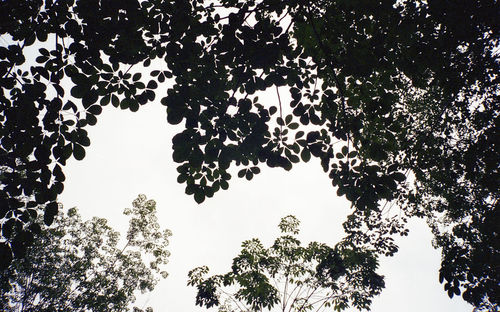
(79, 265)
(290, 277)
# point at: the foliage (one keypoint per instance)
(397, 99)
(79, 266)
(291, 277)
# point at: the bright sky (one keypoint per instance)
(131, 154)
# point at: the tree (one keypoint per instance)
(397, 99)
(79, 265)
(290, 277)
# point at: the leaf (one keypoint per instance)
(299, 134)
(43, 51)
(152, 84)
(133, 106)
(224, 185)
(105, 100)
(305, 155)
(115, 101)
(78, 152)
(441, 277)
(450, 293)
(125, 103)
(41, 59)
(241, 173)
(91, 119)
(255, 170)
(79, 91)
(59, 89)
(95, 109)
(295, 147)
(398, 176)
(136, 76)
(345, 150)
(352, 154)
(249, 175)
(294, 159)
(199, 196)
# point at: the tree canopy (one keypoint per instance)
(291, 277)
(397, 99)
(80, 265)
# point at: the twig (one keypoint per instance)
(281, 108)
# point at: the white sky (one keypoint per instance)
(130, 154)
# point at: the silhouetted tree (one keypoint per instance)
(80, 265)
(290, 277)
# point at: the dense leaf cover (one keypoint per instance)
(397, 99)
(290, 277)
(80, 265)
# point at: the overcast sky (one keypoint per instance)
(130, 154)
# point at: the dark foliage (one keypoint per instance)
(291, 277)
(408, 88)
